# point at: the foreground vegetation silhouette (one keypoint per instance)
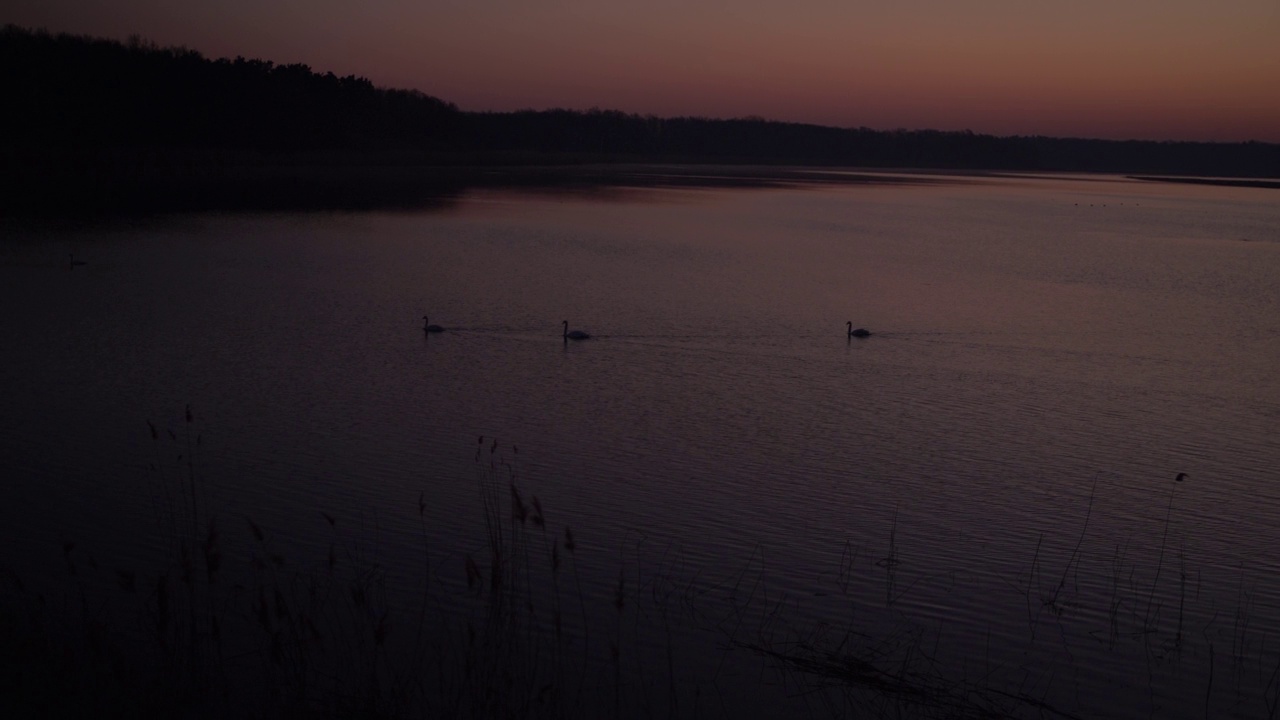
(229, 624)
(100, 124)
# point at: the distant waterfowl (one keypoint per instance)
(71, 258)
(574, 334)
(1181, 477)
(858, 332)
(428, 327)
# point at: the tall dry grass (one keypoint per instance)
(229, 626)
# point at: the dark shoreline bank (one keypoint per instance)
(97, 126)
(1221, 182)
(151, 185)
(112, 189)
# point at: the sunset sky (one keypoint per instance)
(1144, 69)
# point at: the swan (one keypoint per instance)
(428, 327)
(859, 332)
(574, 335)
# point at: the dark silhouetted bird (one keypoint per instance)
(573, 334)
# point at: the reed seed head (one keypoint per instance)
(518, 511)
(537, 513)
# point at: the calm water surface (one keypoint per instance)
(1048, 353)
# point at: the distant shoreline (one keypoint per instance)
(118, 189)
(159, 187)
(99, 126)
(1223, 182)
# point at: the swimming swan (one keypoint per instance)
(860, 332)
(575, 335)
(428, 327)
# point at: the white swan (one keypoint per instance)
(859, 332)
(574, 335)
(428, 327)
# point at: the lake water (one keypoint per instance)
(1048, 353)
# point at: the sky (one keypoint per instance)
(1120, 69)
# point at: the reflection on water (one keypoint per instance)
(1047, 354)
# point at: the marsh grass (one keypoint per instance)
(517, 644)
(229, 625)
(896, 669)
(201, 634)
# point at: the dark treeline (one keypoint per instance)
(80, 108)
(615, 134)
(65, 91)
